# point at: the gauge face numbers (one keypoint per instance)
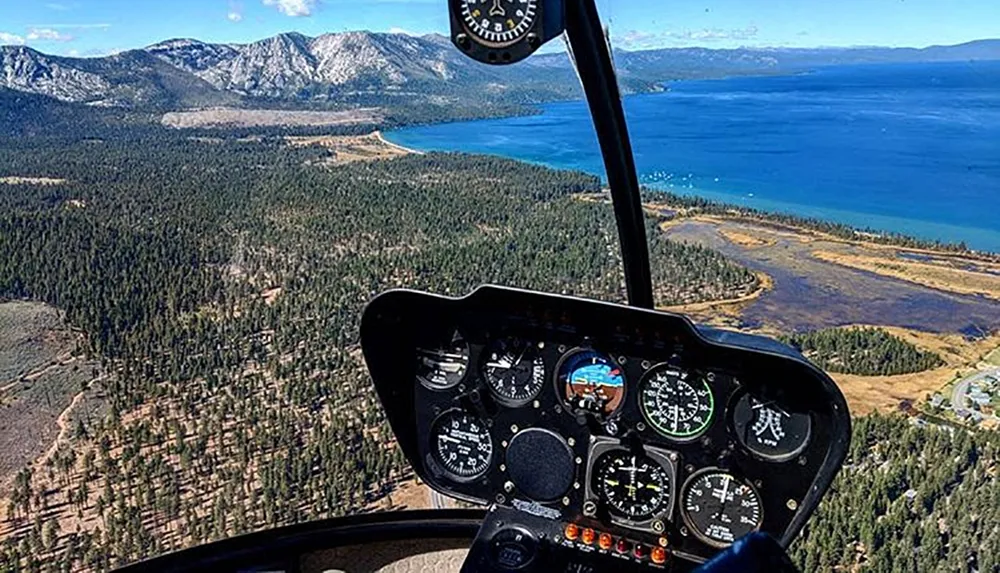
(634, 486)
(461, 444)
(514, 371)
(591, 382)
(676, 404)
(769, 431)
(719, 509)
(442, 364)
(498, 23)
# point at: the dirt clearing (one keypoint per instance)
(228, 117)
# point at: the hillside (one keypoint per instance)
(391, 70)
(221, 281)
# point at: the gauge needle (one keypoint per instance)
(653, 487)
(445, 438)
(450, 366)
(725, 489)
(611, 482)
(497, 9)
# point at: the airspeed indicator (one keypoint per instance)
(677, 404)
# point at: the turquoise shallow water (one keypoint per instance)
(911, 148)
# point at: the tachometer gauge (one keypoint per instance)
(634, 486)
(719, 508)
(498, 23)
(678, 405)
(591, 382)
(768, 431)
(461, 444)
(514, 371)
(442, 364)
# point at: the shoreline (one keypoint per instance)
(382, 139)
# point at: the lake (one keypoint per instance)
(910, 148)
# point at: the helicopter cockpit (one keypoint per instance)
(598, 437)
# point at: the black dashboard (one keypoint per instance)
(631, 434)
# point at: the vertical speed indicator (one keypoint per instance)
(498, 23)
(719, 508)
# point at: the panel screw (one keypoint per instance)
(537, 404)
(589, 508)
(658, 526)
(576, 485)
(579, 460)
(566, 500)
(641, 427)
(612, 428)
(533, 40)
(508, 487)
(513, 428)
(684, 531)
(541, 345)
(571, 441)
(792, 504)
(645, 364)
(561, 348)
(673, 456)
(503, 467)
(802, 461)
(461, 387)
(759, 483)
(711, 376)
(504, 443)
(501, 498)
(622, 360)
(463, 41)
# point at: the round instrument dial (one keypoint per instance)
(442, 364)
(514, 371)
(634, 486)
(591, 382)
(461, 444)
(676, 404)
(719, 509)
(498, 23)
(769, 431)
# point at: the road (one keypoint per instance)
(959, 394)
(438, 501)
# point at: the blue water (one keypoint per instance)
(911, 148)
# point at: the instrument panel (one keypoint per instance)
(649, 433)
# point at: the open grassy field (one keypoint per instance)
(993, 357)
(351, 148)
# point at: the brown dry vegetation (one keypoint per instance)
(941, 275)
(746, 239)
(884, 393)
(350, 148)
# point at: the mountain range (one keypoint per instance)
(364, 68)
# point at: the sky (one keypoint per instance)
(100, 27)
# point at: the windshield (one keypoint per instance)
(198, 199)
